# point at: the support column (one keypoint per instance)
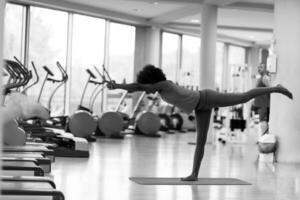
(226, 69)
(208, 46)
(285, 114)
(2, 6)
(147, 47)
(147, 50)
(253, 62)
(208, 52)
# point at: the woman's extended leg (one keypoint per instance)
(202, 122)
(218, 99)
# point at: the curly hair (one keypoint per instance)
(150, 74)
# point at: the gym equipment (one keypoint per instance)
(6, 178)
(237, 121)
(44, 163)
(12, 134)
(29, 188)
(165, 123)
(161, 111)
(178, 181)
(147, 123)
(222, 135)
(189, 121)
(35, 155)
(37, 158)
(176, 121)
(237, 124)
(96, 92)
(30, 109)
(69, 146)
(15, 168)
(180, 121)
(18, 106)
(267, 143)
(111, 124)
(82, 123)
(219, 126)
(45, 151)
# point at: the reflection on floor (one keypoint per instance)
(105, 174)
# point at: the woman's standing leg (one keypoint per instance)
(202, 125)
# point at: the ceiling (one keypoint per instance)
(250, 21)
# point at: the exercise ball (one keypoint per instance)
(12, 134)
(267, 143)
(111, 124)
(176, 121)
(148, 123)
(82, 124)
(165, 122)
(188, 122)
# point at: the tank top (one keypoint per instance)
(263, 100)
(180, 97)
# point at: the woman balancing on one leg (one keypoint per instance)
(151, 79)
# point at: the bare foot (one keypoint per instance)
(190, 178)
(285, 91)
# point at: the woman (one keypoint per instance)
(151, 79)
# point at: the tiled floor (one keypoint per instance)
(104, 176)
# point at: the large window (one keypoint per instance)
(170, 55)
(87, 51)
(189, 71)
(121, 51)
(47, 45)
(121, 60)
(219, 65)
(80, 40)
(13, 31)
(236, 60)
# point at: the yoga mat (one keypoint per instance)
(177, 181)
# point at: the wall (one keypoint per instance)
(285, 114)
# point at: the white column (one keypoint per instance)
(208, 46)
(285, 114)
(253, 62)
(208, 52)
(226, 69)
(2, 6)
(147, 50)
(147, 47)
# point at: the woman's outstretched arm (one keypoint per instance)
(134, 87)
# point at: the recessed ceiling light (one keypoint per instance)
(155, 3)
(195, 20)
(251, 36)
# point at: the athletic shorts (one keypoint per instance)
(202, 104)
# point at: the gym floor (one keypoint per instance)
(105, 175)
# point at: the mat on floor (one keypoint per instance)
(177, 181)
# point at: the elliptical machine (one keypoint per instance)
(113, 124)
(68, 145)
(82, 123)
(147, 122)
(12, 133)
